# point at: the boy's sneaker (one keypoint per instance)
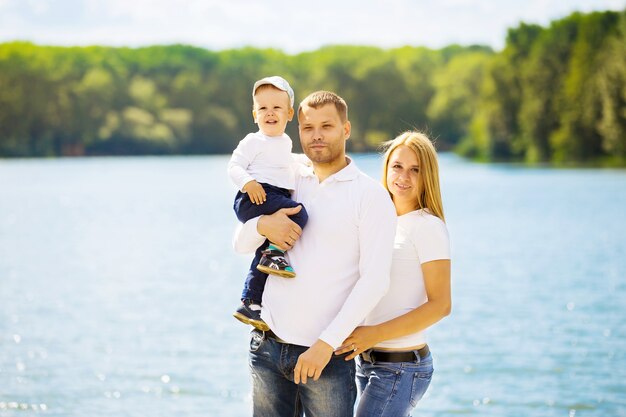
(250, 313)
(273, 262)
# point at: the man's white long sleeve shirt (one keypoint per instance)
(342, 260)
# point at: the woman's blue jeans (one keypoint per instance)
(392, 389)
(274, 394)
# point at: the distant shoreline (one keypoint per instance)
(550, 96)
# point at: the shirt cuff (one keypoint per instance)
(333, 340)
(243, 182)
(247, 239)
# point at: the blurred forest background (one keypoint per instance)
(554, 94)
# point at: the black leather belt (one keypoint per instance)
(272, 335)
(373, 356)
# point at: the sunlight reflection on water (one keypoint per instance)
(117, 284)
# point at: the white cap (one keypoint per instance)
(278, 82)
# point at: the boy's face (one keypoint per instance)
(271, 110)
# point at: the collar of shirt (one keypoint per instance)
(348, 173)
(281, 136)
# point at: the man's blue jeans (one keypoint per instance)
(392, 389)
(274, 394)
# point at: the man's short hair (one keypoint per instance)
(321, 98)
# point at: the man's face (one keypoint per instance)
(271, 111)
(322, 134)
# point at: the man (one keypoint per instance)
(343, 261)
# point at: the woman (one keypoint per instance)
(394, 365)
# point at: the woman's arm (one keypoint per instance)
(437, 284)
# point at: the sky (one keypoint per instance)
(290, 26)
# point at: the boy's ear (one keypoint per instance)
(290, 114)
(254, 115)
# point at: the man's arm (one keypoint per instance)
(438, 305)
(246, 238)
(377, 229)
(277, 227)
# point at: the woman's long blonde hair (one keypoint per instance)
(430, 197)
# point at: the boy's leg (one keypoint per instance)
(249, 312)
(274, 261)
(255, 280)
(276, 199)
(281, 198)
(244, 208)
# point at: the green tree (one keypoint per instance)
(580, 106)
(457, 94)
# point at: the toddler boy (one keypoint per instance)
(262, 167)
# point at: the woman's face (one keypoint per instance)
(404, 179)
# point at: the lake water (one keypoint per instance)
(118, 281)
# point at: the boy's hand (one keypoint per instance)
(255, 192)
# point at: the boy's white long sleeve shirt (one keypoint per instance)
(266, 159)
(342, 260)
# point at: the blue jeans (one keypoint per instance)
(274, 394)
(276, 199)
(392, 389)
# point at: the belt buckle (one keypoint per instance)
(368, 356)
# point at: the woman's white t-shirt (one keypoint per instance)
(420, 237)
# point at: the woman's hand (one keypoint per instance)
(361, 339)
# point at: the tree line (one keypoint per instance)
(553, 94)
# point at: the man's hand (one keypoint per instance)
(312, 362)
(279, 228)
(255, 191)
